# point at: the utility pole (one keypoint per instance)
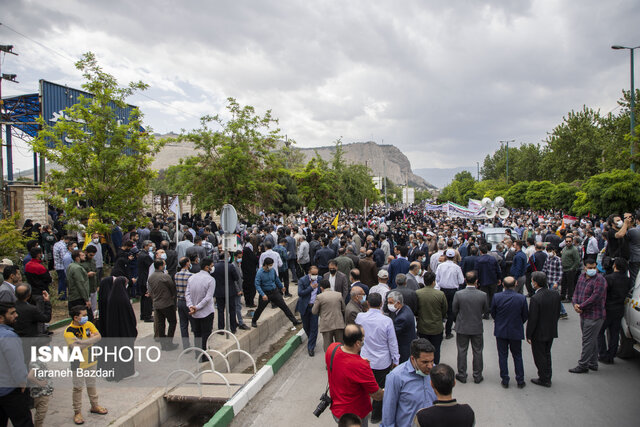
(384, 167)
(12, 78)
(507, 142)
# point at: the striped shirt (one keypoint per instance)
(181, 278)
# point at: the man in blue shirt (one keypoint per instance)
(408, 387)
(489, 274)
(519, 266)
(14, 402)
(270, 288)
(380, 347)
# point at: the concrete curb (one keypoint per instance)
(225, 415)
(64, 322)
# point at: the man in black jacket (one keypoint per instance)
(249, 268)
(618, 285)
(144, 262)
(29, 316)
(219, 294)
(542, 326)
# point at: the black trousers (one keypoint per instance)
(568, 284)
(490, 290)
(220, 306)
(15, 407)
(542, 358)
(167, 314)
(83, 303)
(380, 376)
(146, 305)
(449, 293)
(249, 291)
(609, 336)
(284, 278)
(275, 297)
(202, 328)
(292, 266)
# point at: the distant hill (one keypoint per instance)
(440, 177)
(378, 157)
(397, 165)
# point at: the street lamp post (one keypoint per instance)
(507, 142)
(633, 103)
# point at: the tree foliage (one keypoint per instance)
(236, 163)
(105, 164)
(12, 241)
(609, 192)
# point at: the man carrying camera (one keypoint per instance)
(351, 381)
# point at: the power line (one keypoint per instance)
(67, 57)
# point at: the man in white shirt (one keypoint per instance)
(449, 277)
(270, 253)
(382, 287)
(199, 299)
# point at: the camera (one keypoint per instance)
(325, 402)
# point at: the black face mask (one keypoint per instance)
(333, 271)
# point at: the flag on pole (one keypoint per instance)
(175, 206)
(334, 223)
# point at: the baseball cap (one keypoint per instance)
(450, 253)
(6, 261)
(383, 274)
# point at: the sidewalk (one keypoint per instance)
(128, 395)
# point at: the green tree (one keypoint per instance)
(236, 164)
(538, 194)
(609, 192)
(316, 185)
(287, 199)
(563, 196)
(12, 241)
(516, 195)
(107, 164)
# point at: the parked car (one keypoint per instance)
(630, 334)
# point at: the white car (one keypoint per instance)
(630, 334)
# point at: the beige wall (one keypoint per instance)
(24, 199)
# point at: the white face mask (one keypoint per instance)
(95, 240)
(313, 277)
(392, 308)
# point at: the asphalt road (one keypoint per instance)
(608, 397)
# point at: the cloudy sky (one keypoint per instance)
(444, 81)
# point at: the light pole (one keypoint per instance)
(507, 142)
(633, 103)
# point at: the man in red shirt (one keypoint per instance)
(351, 381)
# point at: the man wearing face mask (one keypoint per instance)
(404, 322)
(357, 304)
(337, 279)
(307, 292)
(95, 242)
(82, 333)
(408, 387)
(589, 302)
(271, 289)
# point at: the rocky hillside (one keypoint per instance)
(397, 165)
(378, 158)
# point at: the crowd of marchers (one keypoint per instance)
(383, 290)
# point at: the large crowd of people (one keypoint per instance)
(406, 279)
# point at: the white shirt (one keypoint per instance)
(449, 275)
(380, 288)
(332, 281)
(270, 253)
